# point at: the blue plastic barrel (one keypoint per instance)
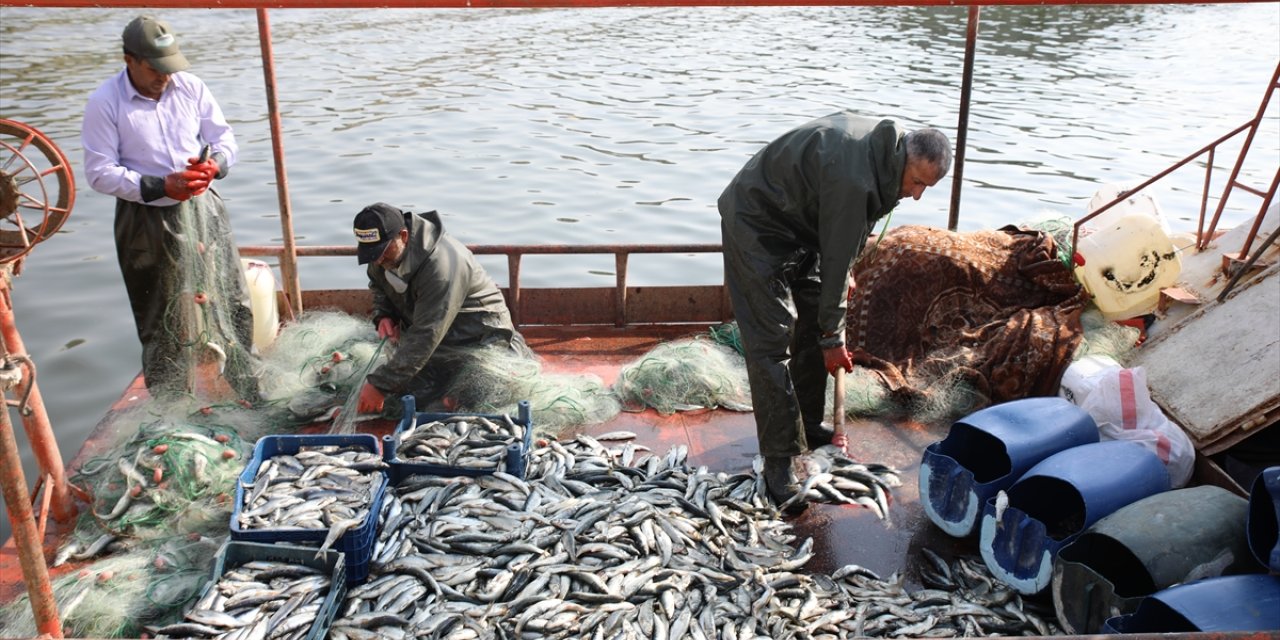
(1226, 603)
(1056, 501)
(990, 449)
(1263, 526)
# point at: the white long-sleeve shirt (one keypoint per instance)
(127, 135)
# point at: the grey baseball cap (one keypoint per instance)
(152, 40)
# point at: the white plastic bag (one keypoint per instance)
(1082, 377)
(1121, 405)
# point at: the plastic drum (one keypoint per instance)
(1157, 542)
(1264, 518)
(990, 449)
(1227, 603)
(1056, 501)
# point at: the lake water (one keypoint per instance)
(617, 125)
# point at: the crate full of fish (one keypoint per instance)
(459, 444)
(313, 489)
(266, 591)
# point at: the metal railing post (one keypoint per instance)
(26, 538)
(289, 259)
(35, 420)
(962, 126)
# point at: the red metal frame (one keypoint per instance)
(27, 534)
(1203, 236)
(562, 4)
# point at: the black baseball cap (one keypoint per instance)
(375, 226)
(152, 40)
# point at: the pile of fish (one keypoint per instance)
(615, 542)
(259, 599)
(464, 442)
(320, 487)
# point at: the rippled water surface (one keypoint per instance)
(617, 125)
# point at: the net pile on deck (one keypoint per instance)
(164, 476)
(149, 582)
(684, 375)
(495, 380)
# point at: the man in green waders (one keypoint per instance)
(792, 222)
(155, 138)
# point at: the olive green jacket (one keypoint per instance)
(448, 299)
(818, 188)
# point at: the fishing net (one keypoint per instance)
(1103, 337)
(165, 475)
(119, 596)
(942, 391)
(208, 320)
(1060, 227)
(494, 379)
(684, 375)
(318, 362)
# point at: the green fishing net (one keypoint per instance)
(1103, 337)
(165, 475)
(200, 319)
(684, 375)
(148, 584)
(493, 380)
(942, 391)
(318, 362)
(1060, 227)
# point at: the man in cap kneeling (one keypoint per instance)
(431, 299)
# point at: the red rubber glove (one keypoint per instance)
(209, 168)
(182, 185)
(387, 328)
(370, 400)
(835, 358)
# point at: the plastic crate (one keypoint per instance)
(357, 543)
(517, 452)
(233, 554)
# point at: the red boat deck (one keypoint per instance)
(720, 440)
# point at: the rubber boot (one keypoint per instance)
(780, 484)
(818, 435)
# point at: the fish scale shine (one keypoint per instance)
(646, 548)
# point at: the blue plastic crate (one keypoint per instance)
(517, 459)
(357, 544)
(233, 554)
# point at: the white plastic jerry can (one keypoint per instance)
(1128, 256)
(262, 299)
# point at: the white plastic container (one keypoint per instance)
(262, 299)
(1128, 256)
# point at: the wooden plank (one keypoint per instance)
(1217, 373)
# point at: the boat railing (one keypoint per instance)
(620, 305)
(1232, 261)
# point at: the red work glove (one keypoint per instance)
(387, 328)
(209, 169)
(182, 185)
(834, 358)
(370, 400)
